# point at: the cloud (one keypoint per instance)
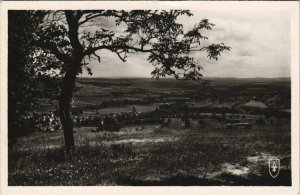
(111, 66)
(231, 30)
(260, 45)
(245, 52)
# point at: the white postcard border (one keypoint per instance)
(292, 6)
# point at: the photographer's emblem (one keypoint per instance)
(274, 167)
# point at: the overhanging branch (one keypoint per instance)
(54, 50)
(90, 51)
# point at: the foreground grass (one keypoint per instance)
(185, 161)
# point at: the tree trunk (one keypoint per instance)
(69, 81)
(65, 107)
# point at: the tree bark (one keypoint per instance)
(65, 110)
(69, 80)
(65, 105)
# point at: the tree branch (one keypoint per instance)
(94, 14)
(54, 50)
(90, 51)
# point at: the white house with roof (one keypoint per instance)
(255, 104)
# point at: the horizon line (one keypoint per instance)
(89, 77)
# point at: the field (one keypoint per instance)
(154, 156)
(204, 153)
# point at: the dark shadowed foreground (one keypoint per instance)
(154, 156)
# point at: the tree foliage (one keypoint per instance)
(149, 31)
(28, 82)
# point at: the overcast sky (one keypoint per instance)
(260, 44)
